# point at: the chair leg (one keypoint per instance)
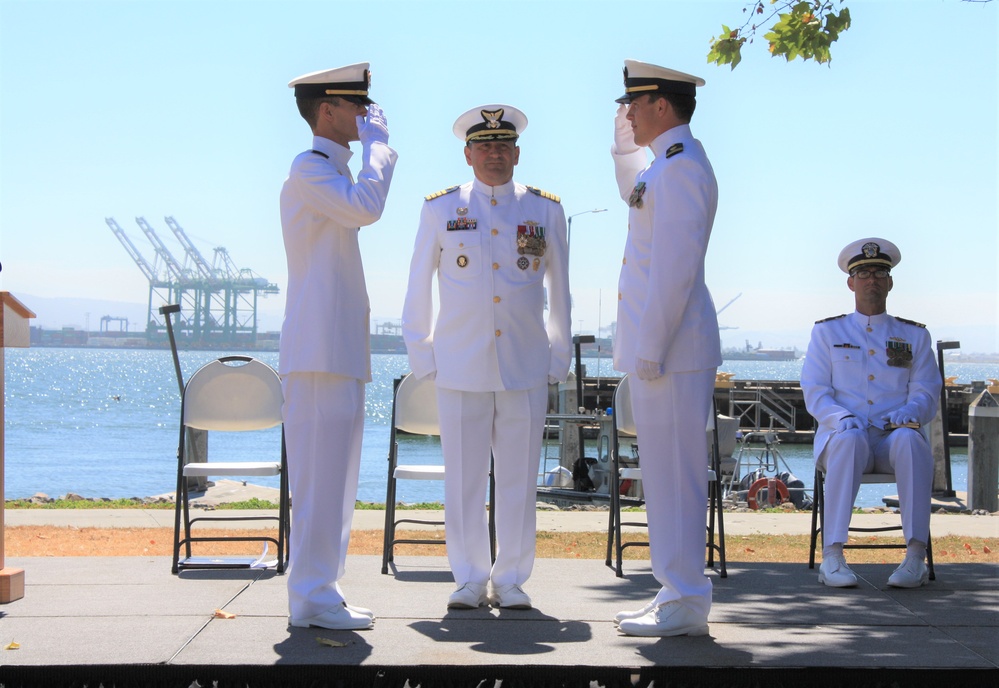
(284, 512)
(614, 505)
(929, 557)
(618, 543)
(179, 495)
(387, 546)
(614, 522)
(716, 506)
(711, 526)
(817, 490)
(722, 564)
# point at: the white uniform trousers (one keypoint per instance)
(324, 423)
(510, 426)
(671, 415)
(848, 455)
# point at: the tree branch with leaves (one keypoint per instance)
(802, 29)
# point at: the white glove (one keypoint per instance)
(374, 127)
(552, 380)
(431, 376)
(648, 370)
(624, 137)
(849, 423)
(900, 417)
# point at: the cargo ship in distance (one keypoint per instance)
(758, 353)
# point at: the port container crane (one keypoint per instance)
(218, 300)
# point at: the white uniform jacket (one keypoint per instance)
(665, 312)
(868, 366)
(326, 313)
(492, 263)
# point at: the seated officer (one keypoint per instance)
(871, 382)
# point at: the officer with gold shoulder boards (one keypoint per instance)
(325, 357)
(871, 382)
(494, 246)
(667, 334)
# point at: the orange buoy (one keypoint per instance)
(776, 492)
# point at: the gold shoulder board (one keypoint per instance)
(909, 322)
(442, 192)
(544, 194)
(835, 317)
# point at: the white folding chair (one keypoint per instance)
(414, 411)
(818, 520)
(624, 426)
(230, 394)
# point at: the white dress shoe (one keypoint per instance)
(669, 619)
(336, 619)
(353, 607)
(360, 610)
(468, 596)
(510, 597)
(621, 616)
(834, 573)
(911, 573)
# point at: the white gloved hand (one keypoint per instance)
(552, 380)
(849, 423)
(374, 127)
(648, 370)
(900, 417)
(624, 136)
(431, 376)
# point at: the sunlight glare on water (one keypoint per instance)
(104, 423)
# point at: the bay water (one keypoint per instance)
(104, 423)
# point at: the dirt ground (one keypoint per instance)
(47, 541)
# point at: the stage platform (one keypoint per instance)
(124, 621)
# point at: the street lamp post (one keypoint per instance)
(568, 231)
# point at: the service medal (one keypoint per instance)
(635, 199)
(531, 239)
(899, 354)
(523, 263)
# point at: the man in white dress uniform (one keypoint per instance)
(325, 356)
(495, 246)
(871, 383)
(667, 335)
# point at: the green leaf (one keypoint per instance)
(725, 49)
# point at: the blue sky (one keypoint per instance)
(181, 108)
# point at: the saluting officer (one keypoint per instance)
(325, 355)
(667, 334)
(494, 245)
(872, 384)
